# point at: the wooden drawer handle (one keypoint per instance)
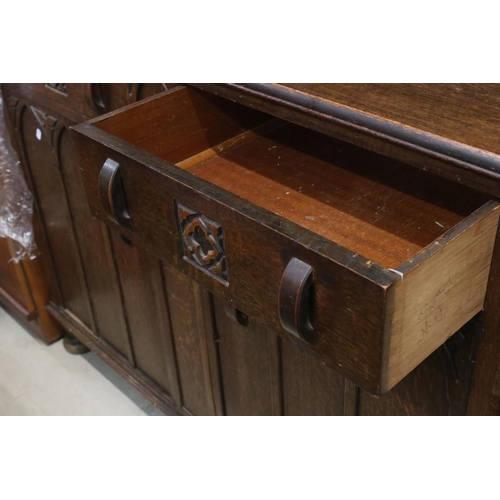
(294, 299)
(111, 193)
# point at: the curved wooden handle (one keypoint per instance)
(111, 193)
(294, 299)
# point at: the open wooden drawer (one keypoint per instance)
(368, 263)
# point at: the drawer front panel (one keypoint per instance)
(347, 307)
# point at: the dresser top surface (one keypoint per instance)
(453, 125)
(465, 113)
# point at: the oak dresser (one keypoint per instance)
(273, 249)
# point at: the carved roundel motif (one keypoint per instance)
(202, 242)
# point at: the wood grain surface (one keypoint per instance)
(246, 365)
(466, 113)
(192, 328)
(180, 123)
(44, 159)
(485, 389)
(439, 295)
(356, 199)
(447, 129)
(186, 342)
(81, 101)
(352, 215)
(96, 256)
(259, 245)
(13, 281)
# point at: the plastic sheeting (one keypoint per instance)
(16, 201)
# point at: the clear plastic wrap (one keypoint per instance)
(16, 201)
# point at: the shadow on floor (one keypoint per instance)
(121, 384)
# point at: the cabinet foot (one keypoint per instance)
(73, 345)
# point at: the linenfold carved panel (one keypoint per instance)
(11, 105)
(58, 87)
(202, 242)
(11, 102)
(47, 124)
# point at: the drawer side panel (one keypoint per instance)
(439, 295)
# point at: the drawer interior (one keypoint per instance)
(374, 209)
(367, 203)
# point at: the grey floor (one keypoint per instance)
(36, 379)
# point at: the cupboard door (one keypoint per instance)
(193, 334)
(262, 374)
(96, 254)
(439, 386)
(248, 364)
(142, 283)
(40, 135)
(309, 386)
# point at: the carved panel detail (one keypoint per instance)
(202, 242)
(11, 103)
(58, 87)
(47, 124)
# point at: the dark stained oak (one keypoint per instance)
(192, 327)
(258, 198)
(44, 157)
(309, 386)
(246, 364)
(97, 257)
(365, 203)
(15, 111)
(191, 352)
(447, 129)
(111, 193)
(183, 125)
(25, 287)
(485, 390)
(422, 392)
(141, 280)
(295, 299)
(109, 96)
(80, 101)
(438, 386)
(254, 279)
(468, 114)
